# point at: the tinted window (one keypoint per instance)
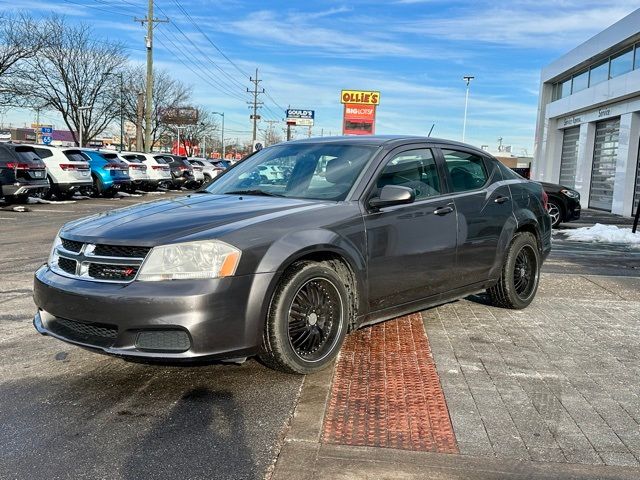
(75, 156)
(599, 73)
(415, 169)
(314, 171)
(580, 81)
(467, 170)
(43, 152)
(621, 63)
(160, 160)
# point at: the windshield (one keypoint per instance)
(314, 171)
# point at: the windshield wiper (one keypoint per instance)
(253, 192)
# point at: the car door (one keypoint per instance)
(411, 249)
(484, 206)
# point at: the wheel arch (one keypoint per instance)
(318, 245)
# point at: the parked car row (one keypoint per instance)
(61, 172)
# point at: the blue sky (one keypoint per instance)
(415, 52)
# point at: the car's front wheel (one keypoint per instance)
(307, 320)
(520, 274)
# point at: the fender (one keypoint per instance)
(295, 245)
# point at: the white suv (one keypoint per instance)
(137, 170)
(157, 167)
(68, 171)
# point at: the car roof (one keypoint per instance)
(385, 140)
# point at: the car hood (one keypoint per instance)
(171, 220)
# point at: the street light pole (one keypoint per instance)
(222, 115)
(178, 129)
(80, 109)
(467, 79)
(121, 112)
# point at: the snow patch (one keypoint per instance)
(605, 234)
(81, 197)
(32, 200)
(156, 193)
(125, 194)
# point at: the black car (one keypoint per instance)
(359, 230)
(181, 171)
(22, 173)
(563, 204)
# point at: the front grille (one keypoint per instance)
(123, 273)
(98, 334)
(105, 263)
(121, 251)
(67, 265)
(71, 245)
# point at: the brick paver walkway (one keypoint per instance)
(386, 391)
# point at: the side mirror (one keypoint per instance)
(393, 195)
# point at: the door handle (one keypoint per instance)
(443, 210)
(501, 199)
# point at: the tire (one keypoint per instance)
(516, 289)
(308, 319)
(555, 211)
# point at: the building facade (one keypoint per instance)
(588, 127)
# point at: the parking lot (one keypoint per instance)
(557, 382)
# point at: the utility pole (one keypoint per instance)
(139, 115)
(150, 21)
(466, 103)
(255, 104)
(222, 137)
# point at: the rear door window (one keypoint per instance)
(466, 170)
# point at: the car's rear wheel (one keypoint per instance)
(520, 274)
(307, 320)
(555, 212)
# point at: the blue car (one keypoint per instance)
(110, 175)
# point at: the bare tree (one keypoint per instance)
(74, 70)
(19, 40)
(192, 136)
(167, 92)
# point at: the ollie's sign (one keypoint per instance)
(361, 97)
(359, 112)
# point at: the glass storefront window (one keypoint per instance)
(621, 63)
(565, 88)
(580, 81)
(599, 73)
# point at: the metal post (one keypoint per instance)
(635, 220)
(466, 104)
(204, 146)
(222, 115)
(149, 92)
(80, 128)
(121, 111)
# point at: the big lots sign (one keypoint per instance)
(359, 112)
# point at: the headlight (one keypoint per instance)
(53, 256)
(570, 193)
(205, 259)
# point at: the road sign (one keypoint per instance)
(46, 139)
(46, 130)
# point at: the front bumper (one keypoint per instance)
(221, 318)
(573, 210)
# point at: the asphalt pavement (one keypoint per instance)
(66, 413)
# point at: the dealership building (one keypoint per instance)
(588, 128)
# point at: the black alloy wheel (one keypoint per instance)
(525, 272)
(520, 275)
(314, 316)
(308, 317)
